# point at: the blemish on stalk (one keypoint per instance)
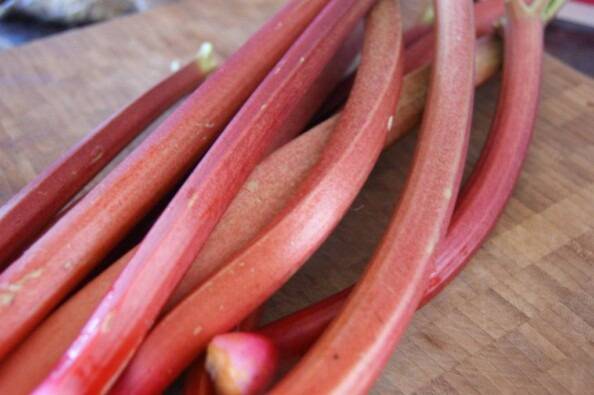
(391, 122)
(6, 298)
(106, 324)
(97, 155)
(447, 193)
(302, 60)
(252, 186)
(209, 125)
(69, 265)
(12, 289)
(277, 70)
(430, 248)
(205, 57)
(263, 107)
(175, 65)
(193, 200)
(197, 330)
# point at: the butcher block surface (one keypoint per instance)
(519, 319)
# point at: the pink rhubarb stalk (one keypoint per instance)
(481, 201)
(351, 353)
(263, 196)
(318, 204)
(35, 283)
(278, 109)
(25, 215)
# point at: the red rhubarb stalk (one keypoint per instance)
(35, 283)
(491, 184)
(25, 215)
(277, 110)
(481, 203)
(265, 193)
(197, 381)
(352, 351)
(294, 234)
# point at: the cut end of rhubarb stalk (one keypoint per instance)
(241, 363)
(205, 57)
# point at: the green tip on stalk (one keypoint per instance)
(205, 57)
(551, 9)
(547, 9)
(428, 15)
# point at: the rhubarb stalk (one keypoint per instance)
(481, 201)
(25, 215)
(264, 194)
(197, 381)
(352, 351)
(35, 283)
(294, 234)
(278, 109)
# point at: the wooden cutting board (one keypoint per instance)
(519, 319)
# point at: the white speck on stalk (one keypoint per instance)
(197, 330)
(175, 65)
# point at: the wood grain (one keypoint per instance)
(519, 319)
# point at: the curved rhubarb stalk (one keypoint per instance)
(317, 206)
(277, 110)
(25, 215)
(352, 351)
(481, 201)
(54, 264)
(264, 194)
(499, 166)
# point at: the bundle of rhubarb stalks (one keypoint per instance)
(239, 193)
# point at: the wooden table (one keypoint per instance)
(519, 319)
